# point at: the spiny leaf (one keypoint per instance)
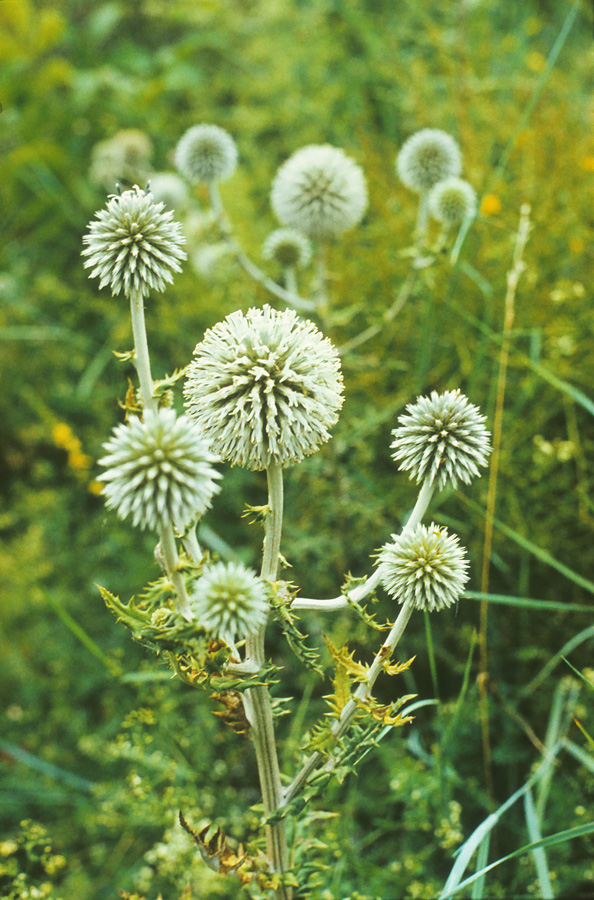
(344, 660)
(280, 601)
(387, 714)
(169, 381)
(396, 668)
(125, 612)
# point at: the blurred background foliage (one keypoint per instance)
(99, 748)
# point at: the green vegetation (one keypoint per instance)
(99, 746)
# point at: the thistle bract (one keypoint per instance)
(319, 191)
(159, 471)
(264, 386)
(441, 438)
(289, 248)
(134, 245)
(425, 568)
(452, 200)
(427, 157)
(206, 153)
(230, 601)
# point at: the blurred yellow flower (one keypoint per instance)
(95, 487)
(587, 163)
(63, 437)
(79, 461)
(490, 204)
(577, 245)
(535, 61)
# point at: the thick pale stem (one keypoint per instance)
(422, 218)
(258, 706)
(171, 558)
(141, 352)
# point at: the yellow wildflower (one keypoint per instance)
(490, 204)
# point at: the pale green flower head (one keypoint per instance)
(320, 191)
(264, 387)
(452, 200)
(206, 153)
(159, 471)
(425, 568)
(428, 156)
(287, 247)
(134, 245)
(230, 601)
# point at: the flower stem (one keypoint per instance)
(422, 218)
(258, 706)
(141, 352)
(175, 576)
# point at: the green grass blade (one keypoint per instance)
(112, 667)
(538, 854)
(46, 768)
(586, 759)
(579, 674)
(529, 602)
(482, 857)
(565, 650)
(562, 707)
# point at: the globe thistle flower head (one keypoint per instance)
(452, 200)
(427, 157)
(441, 438)
(319, 191)
(425, 568)
(133, 244)
(206, 153)
(169, 189)
(159, 471)
(125, 157)
(264, 386)
(289, 248)
(230, 601)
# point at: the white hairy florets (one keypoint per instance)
(264, 386)
(288, 247)
(452, 200)
(206, 153)
(425, 568)
(134, 244)
(159, 471)
(230, 601)
(169, 189)
(441, 438)
(427, 157)
(319, 191)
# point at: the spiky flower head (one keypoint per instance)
(425, 567)
(230, 601)
(206, 153)
(159, 470)
(319, 191)
(452, 200)
(169, 189)
(288, 247)
(427, 157)
(134, 244)
(264, 386)
(441, 438)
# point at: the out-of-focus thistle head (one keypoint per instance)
(159, 471)
(451, 201)
(133, 244)
(441, 438)
(288, 247)
(206, 153)
(230, 601)
(319, 191)
(123, 158)
(427, 157)
(425, 568)
(169, 189)
(264, 387)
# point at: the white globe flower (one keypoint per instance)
(427, 157)
(288, 247)
(425, 568)
(319, 191)
(441, 438)
(134, 244)
(206, 153)
(452, 200)
(230, 601)
(264, 386)
(168, 188)
(159, 471)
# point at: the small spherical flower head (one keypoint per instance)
(133, 244)
(319, 191)
(159, 471)
(441, 438)
(427, 157)
(289, 248)
(206, 153)
(168, 188)
(264, 387)
(230, 601)
(425, 568)
(451, 201)
(125, 157)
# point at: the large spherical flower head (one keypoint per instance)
(134, 244)
(427, 157)
(441, 438)
(159, 471)
(230, 601)
(206, 153)
(289, 248)
(319, 191)
(452, 200)
(425, 567)
(264, 386)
